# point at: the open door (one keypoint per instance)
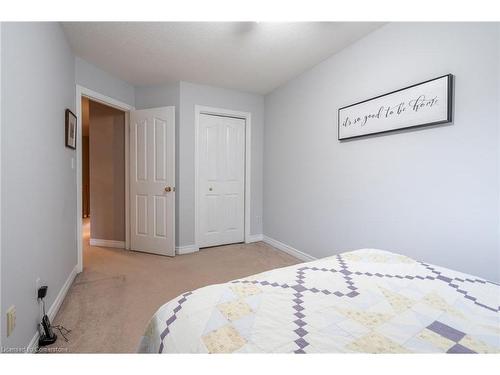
(152, 180)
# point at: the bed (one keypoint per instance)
(368, 301)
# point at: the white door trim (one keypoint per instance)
(98, 97)
(247, 116)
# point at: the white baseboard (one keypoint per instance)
(188, 249)
(107, 243)
(254, 238)
(52, 312)
(288, 249)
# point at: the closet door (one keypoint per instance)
(221, 180)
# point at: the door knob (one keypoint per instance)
(168, 189)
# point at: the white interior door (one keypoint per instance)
(221, 180)
(152, 180)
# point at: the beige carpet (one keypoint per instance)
(111, 301)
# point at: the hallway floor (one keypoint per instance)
(110, 303)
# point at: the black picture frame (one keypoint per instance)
(448, 119)
(70, 129)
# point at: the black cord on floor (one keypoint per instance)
(63, 331)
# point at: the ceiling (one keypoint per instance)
(247, 56)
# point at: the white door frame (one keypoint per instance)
(98, 97)
(247, 116)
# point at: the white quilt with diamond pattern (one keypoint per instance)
(368, 301)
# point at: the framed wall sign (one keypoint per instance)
(70, 133)
(426, 103)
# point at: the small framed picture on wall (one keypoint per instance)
(70, 129)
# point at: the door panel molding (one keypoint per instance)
(152, 186)
(247, 116)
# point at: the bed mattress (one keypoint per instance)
(368, 301)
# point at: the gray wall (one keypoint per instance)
(157, 96)
(498, 130)
(185, 96)
(1, 177)
(94, 78)
(432, 193)
(38, 183)
(107, 172)
(192, 94)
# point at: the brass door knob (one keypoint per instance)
(168, 189)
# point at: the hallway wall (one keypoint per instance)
(107, 172)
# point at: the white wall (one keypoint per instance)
(431, 193)
(38, 184)
(93, 78)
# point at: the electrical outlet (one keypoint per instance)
(11, 320)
